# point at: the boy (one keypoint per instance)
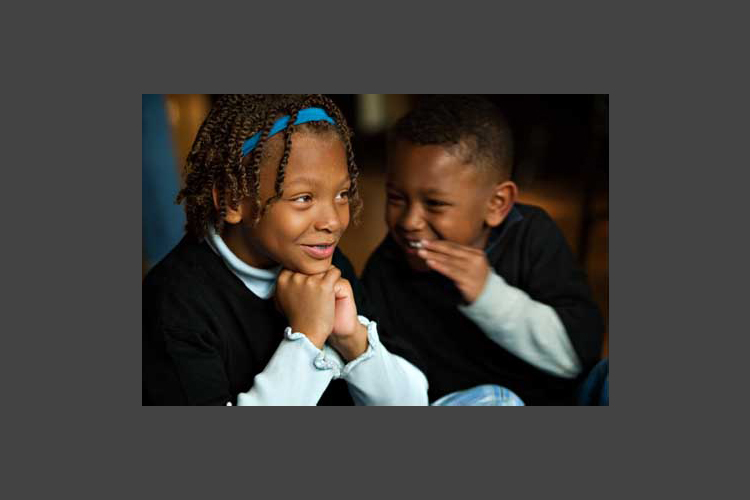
(484, 288)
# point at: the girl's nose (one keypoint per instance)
(329, 219)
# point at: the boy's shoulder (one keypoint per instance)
(532, 213)
(530, 222)
(386, 255)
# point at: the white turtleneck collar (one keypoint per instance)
(262, 282)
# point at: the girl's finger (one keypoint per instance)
(331, 276)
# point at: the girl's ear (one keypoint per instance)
(233, 216)
(501, 200)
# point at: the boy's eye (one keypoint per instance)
(394, 198)
(436, 203)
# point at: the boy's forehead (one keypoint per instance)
(432, 167)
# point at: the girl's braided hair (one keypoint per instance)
(215, 160)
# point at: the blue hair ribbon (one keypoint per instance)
(304, 116)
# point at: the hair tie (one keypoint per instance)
(304, 116)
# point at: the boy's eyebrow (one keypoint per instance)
(433, 191)
(426, 192)
(436, 191)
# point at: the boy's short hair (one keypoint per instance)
(470, 126)
(215, 159)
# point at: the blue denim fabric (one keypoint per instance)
(594, 390)
(481, 395)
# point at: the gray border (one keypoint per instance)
(97, 313)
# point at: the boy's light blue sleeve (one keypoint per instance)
(529, 329)
(378, 377)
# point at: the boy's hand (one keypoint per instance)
(467, 267)
(308, 301)
(349, 336)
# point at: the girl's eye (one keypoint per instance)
(343, 195)
(305, 198)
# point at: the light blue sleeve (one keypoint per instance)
(529, 329)
(297, 375)
(378, 377)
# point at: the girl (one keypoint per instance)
(256, 305)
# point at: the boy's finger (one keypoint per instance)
(444, 268)
(445, 258)
(448, 248)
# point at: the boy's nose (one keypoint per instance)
(412, 219)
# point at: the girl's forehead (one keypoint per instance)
(274, 146)
(313, 158)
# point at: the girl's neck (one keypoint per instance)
(237, 241)
(260, 281)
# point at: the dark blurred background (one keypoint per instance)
(561, 164)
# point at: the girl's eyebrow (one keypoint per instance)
(312, 181)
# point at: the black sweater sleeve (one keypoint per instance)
(181, 368)
(555, 278)
(182, 364)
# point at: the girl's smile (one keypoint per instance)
(320, 251)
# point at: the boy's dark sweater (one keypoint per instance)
(206, 336)
(529, 251)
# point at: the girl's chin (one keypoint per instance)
(317, 267)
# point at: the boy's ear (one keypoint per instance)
(501, 201)
(233, 216)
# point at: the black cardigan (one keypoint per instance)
(529, 251)
(206, 336)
